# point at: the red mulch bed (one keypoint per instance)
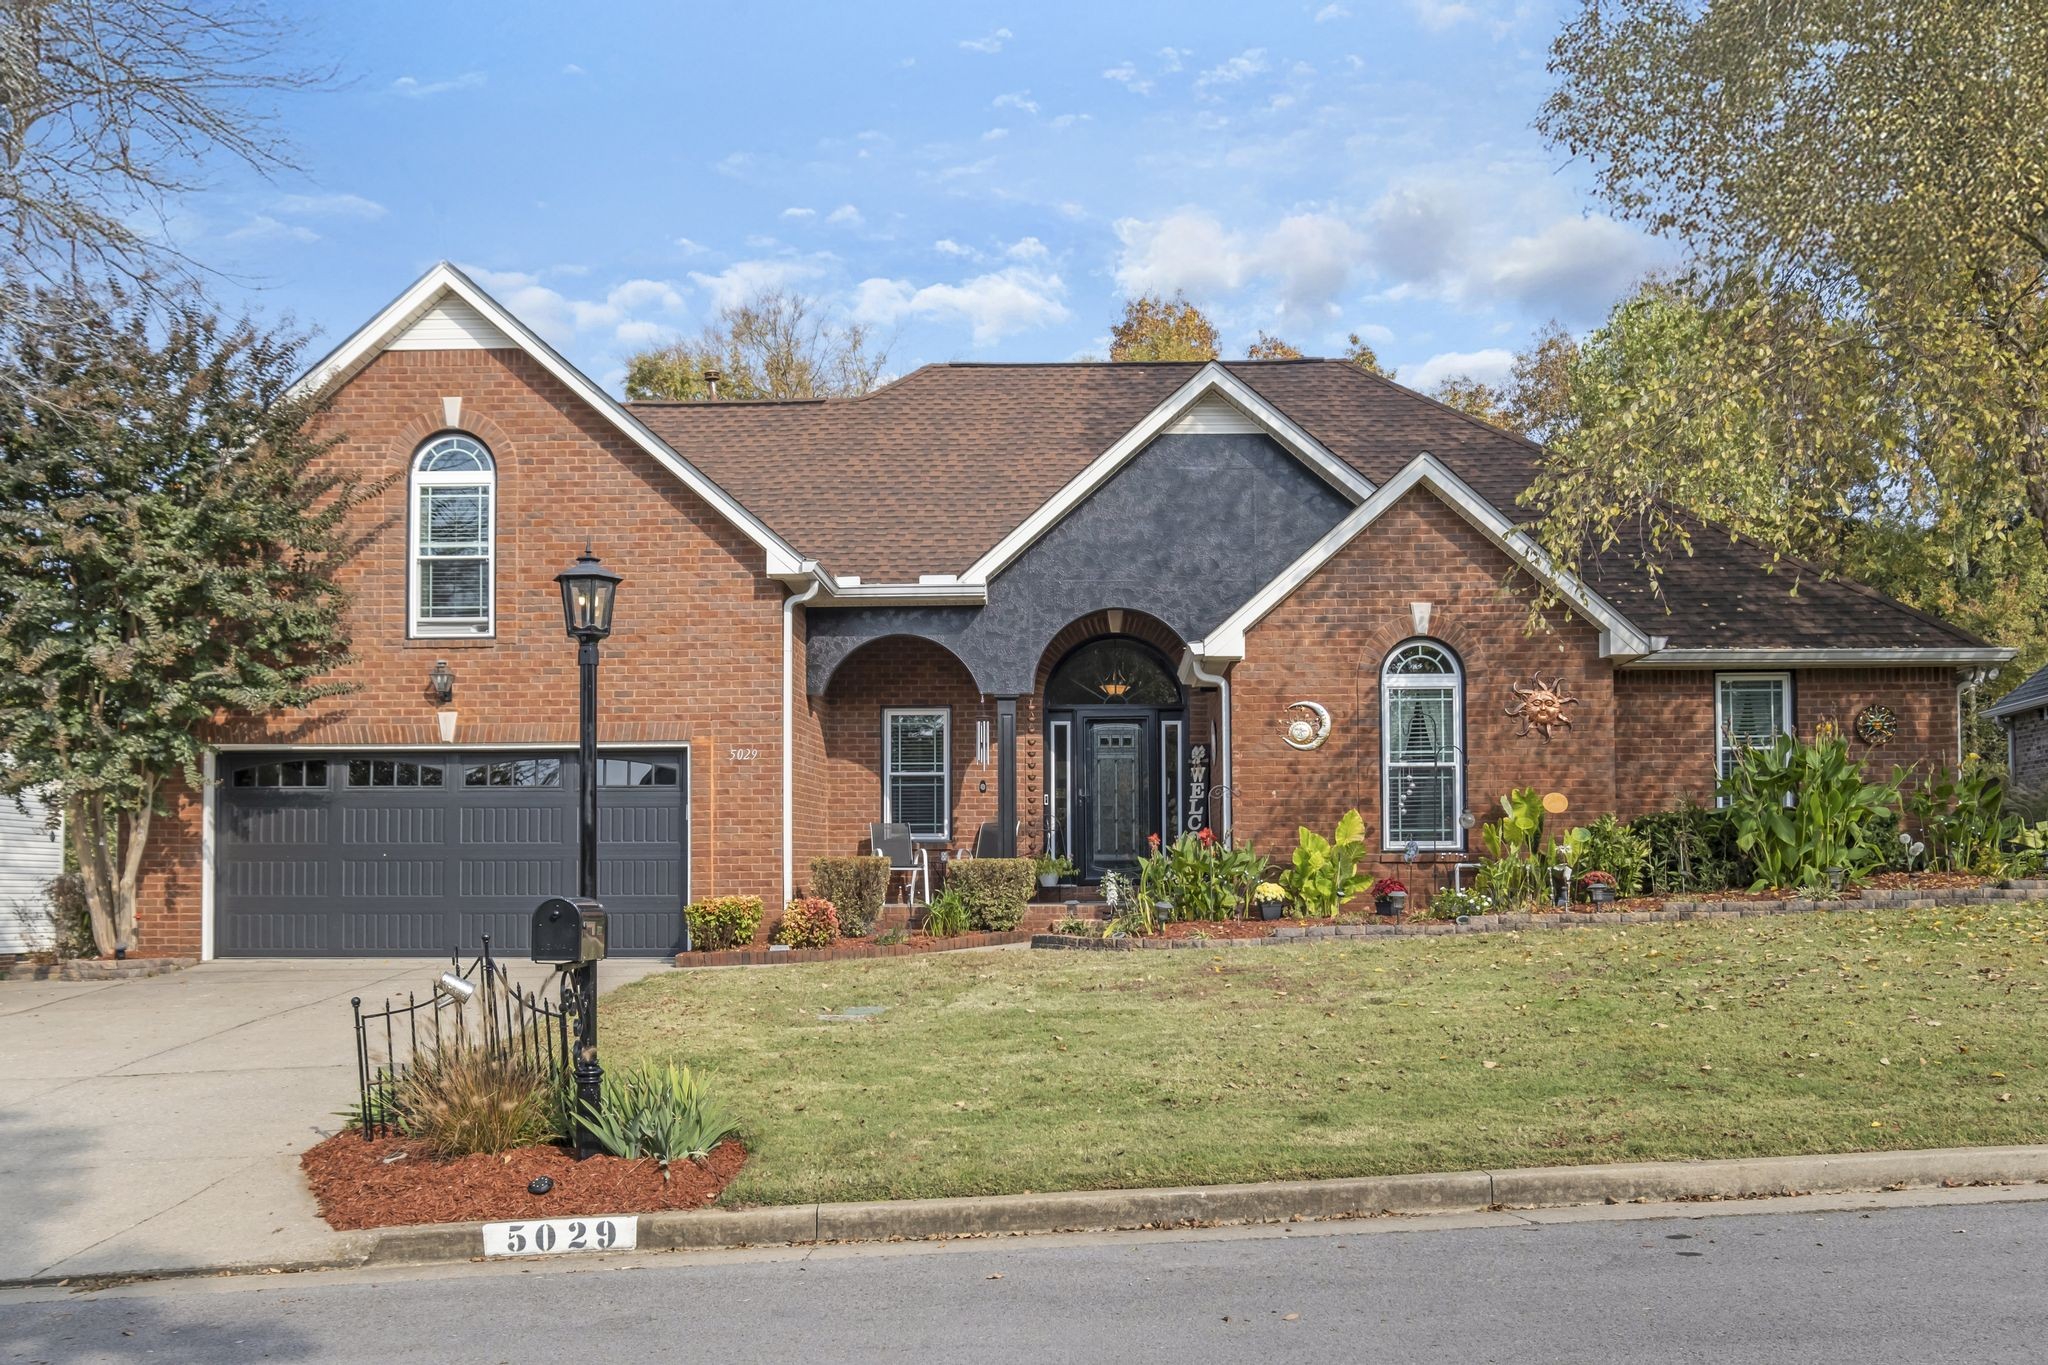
(356, 1188)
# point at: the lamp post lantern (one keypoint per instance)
(588, 591)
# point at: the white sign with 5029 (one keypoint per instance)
(552, 1236)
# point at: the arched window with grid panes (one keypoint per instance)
(1422, 754)
(453, 537)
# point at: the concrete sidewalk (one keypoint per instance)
(158, 1122)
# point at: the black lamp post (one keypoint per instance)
(588, 589)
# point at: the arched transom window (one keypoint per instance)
(1422, 768)
(454, 518)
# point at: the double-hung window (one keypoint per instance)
(454, 516)
(1422, 770)
(916, 746)
(1750, 710)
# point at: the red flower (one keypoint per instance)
(1387, 886)
(1153, 839)
(1207, 836)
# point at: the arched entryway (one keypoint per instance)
(1115, 752)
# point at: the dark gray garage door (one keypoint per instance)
(368, 854)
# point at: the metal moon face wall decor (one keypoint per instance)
(1540, 706)
(1307, 725)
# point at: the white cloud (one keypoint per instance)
(574, 70)
(799, 214)
(992, 43)
(555, 313)
(1242, 67)
(846, 215)
(1574, 269)
(1332, 12)
(1069, 120)
(1491, 366)
(1419, 232)
(1171, 58)
(1027, 249)
(946, 246)
(995, 134)
(1127, 76)
(413, 88)
(1375, 333)
(1016, 99)
(690, 248)
(264, 228)
(640, 333)
(1306, 258)
(330, 206)
(1438, 15)
(735, 164)
(993, 306)
(742, 280)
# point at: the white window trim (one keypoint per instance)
(945, 715)
(1391, 683)
(416, 627)
(1783, 679)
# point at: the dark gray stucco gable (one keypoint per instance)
(1188, 530)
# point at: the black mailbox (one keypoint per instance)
(567, 930)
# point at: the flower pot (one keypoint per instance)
(1599, 895)
(1271, 909)
(1049, 880)
(1383, 905)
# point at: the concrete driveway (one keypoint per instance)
(157, 1124)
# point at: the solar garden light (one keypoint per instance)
(455, 988)
(588, 591)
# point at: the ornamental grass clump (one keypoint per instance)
(659, 1111)
(462, 1099)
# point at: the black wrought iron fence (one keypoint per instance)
(493, 1015)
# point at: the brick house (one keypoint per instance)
(1080, 603)
(2023, 713)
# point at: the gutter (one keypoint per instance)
(1935, 657)
(789, 606)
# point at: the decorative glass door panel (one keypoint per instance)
(1118, 817)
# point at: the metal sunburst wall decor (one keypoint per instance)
(1540, 706)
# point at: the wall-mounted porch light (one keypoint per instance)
(442, 682)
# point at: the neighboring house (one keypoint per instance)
(1087, 603)
(2024, 714)
(31, 856)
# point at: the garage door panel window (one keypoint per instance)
(915, 752)
(288, 774)
(454, 503)
(390, 772)
(514, 772)
(631, 772)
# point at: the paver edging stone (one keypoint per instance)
(95, 969)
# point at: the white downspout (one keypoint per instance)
(789, 606)
(1221, 682)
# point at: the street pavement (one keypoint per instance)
(157, 1123)
(1909, 1278)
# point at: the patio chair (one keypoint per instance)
(985, 839)
(906, 859)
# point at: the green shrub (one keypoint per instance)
(1324, 873)
(1512, 872)
(856, 887)
(1802, 809)
(1691, 848)
(1961, 817)
(994, 890)
(462, 1099)
(1610, 846)
(808, 922)
(69, 919)
(1452, 903)
(947, 914)
(723, 922)
(1054, 865)
(663, 1112)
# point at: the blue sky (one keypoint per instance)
(977, 182)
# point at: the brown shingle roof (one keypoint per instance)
(926, 474)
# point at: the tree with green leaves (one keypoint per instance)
(168, 544)
(778, 344)
(1860, 340)
(1154, 327)
(1269, 347)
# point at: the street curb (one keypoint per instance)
(1273, 1202)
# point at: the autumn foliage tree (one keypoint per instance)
(168, 544)
(777, 344)
(1157, 328)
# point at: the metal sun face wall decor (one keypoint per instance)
(1877, 724)
(1540, 706)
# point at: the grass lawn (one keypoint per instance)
(1010, 1071)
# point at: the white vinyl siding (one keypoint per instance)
(453, 538)
(1422, 701)
(451, 325)
(916, 755)
(1750, 709)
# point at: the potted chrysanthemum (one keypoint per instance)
(1271, 898)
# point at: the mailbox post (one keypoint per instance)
(588, 590)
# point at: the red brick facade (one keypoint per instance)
(699, 657)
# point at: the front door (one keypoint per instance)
(1119, 805)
